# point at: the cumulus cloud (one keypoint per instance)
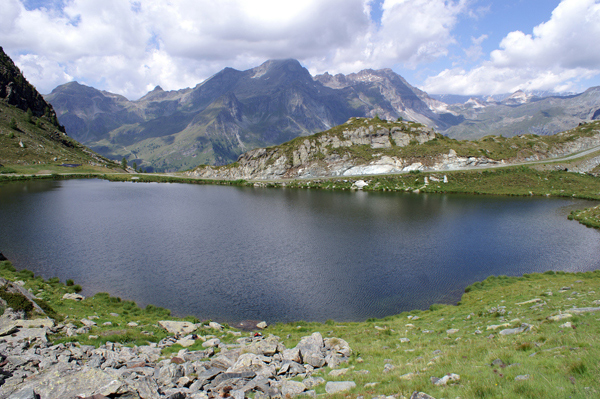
(127, 46)
(558, 54)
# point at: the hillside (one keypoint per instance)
(365, 146)
(29, 130)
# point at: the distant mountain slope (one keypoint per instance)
(521, 114)
(29, 130)
(235, 111)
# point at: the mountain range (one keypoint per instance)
(235, 111)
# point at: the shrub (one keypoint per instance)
(70, 282)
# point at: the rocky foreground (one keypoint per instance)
(33, 368)
(509, 337)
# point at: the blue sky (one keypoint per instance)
(469, 47)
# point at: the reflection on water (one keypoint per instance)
(229, 253)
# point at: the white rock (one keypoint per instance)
(74, 297)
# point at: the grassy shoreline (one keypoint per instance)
(399, 354)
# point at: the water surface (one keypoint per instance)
(228, 253)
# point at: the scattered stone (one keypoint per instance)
(262, 325)
(452, 331)
(496, 326)
(498, 363)
(215, 325)
(421, 395)
(132, 324)
(524, 377)
(524, 328)
(407, 376)
(339, 372)
(448, 378)
(339, 386)
(584, 310)
(566, 325)
(211, 343)
(535, 300)
(178, 327)
(312, 382)
(114, 314)
(560, 317)
(404, 340)
(388, 367)
(73, 297)
(292, 388)
(371, 384)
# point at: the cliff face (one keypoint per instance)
(17, 91)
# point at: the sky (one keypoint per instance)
(467, 47)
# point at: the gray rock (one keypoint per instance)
(339, 386)
(292, 388)
(445, 379)
(74, 297)
(311, 349)
(26, 393)
(420, 395)
(262, 325)
(312, 382)
(63, 382)
(211, 343)
(524, 328)
(524, 377)
(178, 327)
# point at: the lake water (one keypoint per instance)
(229, 254)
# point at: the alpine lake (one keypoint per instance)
(279, 255)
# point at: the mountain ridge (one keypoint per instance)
(234, 111)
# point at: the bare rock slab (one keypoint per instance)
(339, 386)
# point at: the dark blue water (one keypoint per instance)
(229, 254)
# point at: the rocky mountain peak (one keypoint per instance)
(280, 68)
(17, 91)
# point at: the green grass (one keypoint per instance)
(589, 217)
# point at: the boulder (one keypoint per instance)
(178, 327)
(292, 388)
(74, 297)
(339, 386)
(62, 382)
(311, 349)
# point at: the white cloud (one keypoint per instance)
(556, 56)
(126, 47)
